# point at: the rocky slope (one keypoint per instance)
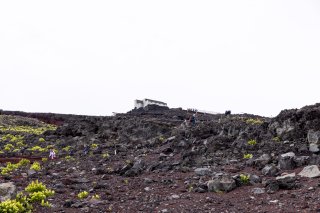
(149, 161)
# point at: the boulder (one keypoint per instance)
(255, 179)
(287, 181)
(224, 183)
(272, 186)
(310, 172)
(7, 191)
(262, 160)
(286, 161)
(314, 147)
(302, 160)
(136, 169)
(286, 127)
(313, 137)
(314, 160)
(284, 176)
(270, 170)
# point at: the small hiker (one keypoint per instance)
(86, 149)
(227, 113)
(52, 154)
(193, 119)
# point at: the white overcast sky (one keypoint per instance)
(96, 57)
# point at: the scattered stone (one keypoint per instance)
(273, 201)
(310, 172)
(257, 191)
(7, 191)
(147, 189)
(174, 196)
(262, 160)
(202, 171)
(270, 170)
(302, 160)
(314, 147)
(272, 186)
(200, 190)
(70, 181)
(59, 186)
(223, 183)
(170, 139)
(68, 203)
(311, 188)
(78, 205)
(285, 175)
(314, 160)
(255, 179)
(31, 173)
(148, 180)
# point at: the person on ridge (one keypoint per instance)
(193, 119)
(52, 154)
(86, 149)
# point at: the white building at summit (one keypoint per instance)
(145, 102)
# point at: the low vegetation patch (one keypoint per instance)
(247, 156)
(83, 195)
(252, 142)
(34, 193)
(244, 178)
(252, 121)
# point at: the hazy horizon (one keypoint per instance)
(95, 58)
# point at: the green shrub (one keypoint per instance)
(37, 197)
(20, 144)
(276, 139)
(27, 129)
(35, 186)
(83, 195)
(36, 166)
(247, 156)
(11, 206)
(24, 200)
(22, 204)
(11, 167)
(105, 155)
(24, 162)
(94, 146)
(97, 197)
(67, 148)
(42, 140)
(38, 148)
(45, 203)
(244, 178)
(68, 158)
(49, 147)
(252, 142)
(8, 147)
(161, 139)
